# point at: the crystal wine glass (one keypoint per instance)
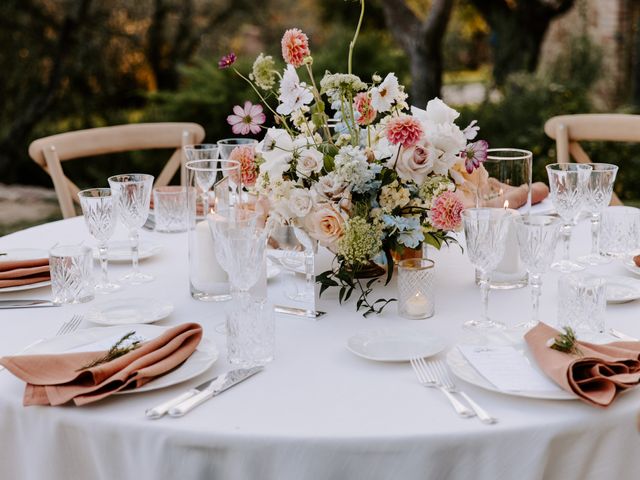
(100, 215)
(485, 232)
(537, 239)
(207, 174)
(294, 249)
(568, 185)
(228, 145)
(133, 192)
(599, 190)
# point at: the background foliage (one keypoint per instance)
(72, 64)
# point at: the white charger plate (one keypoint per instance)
(622, 289)
(395, 344)
(24, 254)
(130, 310)
(462, 369)
(204, 356)
(120, 250)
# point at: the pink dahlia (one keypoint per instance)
(446, 212)
(362, 102)
(295, 47)
(474, 155)
(246, 120)
(247, 158)
(405, 130)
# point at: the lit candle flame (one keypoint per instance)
(506, 204)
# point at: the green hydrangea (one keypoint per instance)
(263, 72)
(361, 241)
(434, 186)
(341, 83)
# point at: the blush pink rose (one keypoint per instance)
(325, 224)
(416, 163)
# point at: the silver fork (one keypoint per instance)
(67, 327)
(442, 374)
(427, 379)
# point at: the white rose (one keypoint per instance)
(446, 137)
(415, 163)
(330, 186)
(300, 202)
(310, 161)
(325, 224)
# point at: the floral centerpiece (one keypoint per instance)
(354, 165)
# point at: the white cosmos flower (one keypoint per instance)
(293, 93)
(383, 96)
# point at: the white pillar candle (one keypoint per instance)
(208, 274)
(510, 262)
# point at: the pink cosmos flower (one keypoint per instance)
(246, 120)
(446, 212)
(474, 155)
(227, 60)
(405, 130)
(295, 47)
(247, 158)
(362, 103)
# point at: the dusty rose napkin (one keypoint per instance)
(517, 196)
(55, 379)
(598, 376)
(23, 272)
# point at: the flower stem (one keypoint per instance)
(352, 44)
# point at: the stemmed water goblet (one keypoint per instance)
(485, 233)
(206, 174)
(568, 185)
(537, 240)
(100, 215)
(227, 145)
(133, 193)
(598, 196)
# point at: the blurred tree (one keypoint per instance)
(420, 31)
(517, 29)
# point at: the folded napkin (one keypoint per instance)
(597, 376)
(14, 273)
(57, 379)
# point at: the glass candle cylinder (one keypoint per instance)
(507, 184)
(416, 298)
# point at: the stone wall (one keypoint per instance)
(612, 25)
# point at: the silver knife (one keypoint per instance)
(215, 387)
(298, 312)
(27, 303)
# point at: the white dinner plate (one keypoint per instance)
(126, 311)
(622, 289)
(120, 250)
(395, 344)
(465, 371)
(24, 254)
(204, 356)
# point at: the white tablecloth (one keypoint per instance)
(317, 411)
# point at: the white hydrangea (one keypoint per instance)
(352, 167)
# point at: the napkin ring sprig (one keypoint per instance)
(566, 342)
(123, 346)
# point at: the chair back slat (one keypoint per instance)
(50, 151)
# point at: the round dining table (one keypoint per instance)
(317, 411)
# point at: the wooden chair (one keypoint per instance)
(568, 130)
(50, 151)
